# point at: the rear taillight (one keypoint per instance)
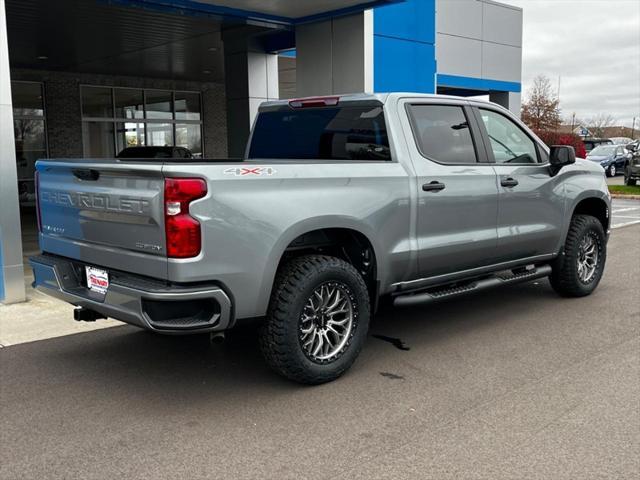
(37, 191)
(182, 230)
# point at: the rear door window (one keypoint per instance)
(326, 133)
(442, 133)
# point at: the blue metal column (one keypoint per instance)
(404, 37)
(11, 268)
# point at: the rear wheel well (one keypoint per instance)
(596, 208)
(349, 245)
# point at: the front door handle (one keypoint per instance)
(508, 182)
(434, 186)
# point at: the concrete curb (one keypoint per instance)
(628, 197)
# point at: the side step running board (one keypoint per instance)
(500, 278)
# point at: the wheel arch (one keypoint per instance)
(320, 235)
(597, 207)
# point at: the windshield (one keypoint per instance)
(602, 150)
(328, 133)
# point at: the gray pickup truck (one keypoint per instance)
(339, 201)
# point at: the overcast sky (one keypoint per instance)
(593, 45)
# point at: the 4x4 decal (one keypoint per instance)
(244, 171)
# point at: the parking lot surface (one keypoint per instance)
(625, 212)
(507, 384)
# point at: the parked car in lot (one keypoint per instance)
(632, 170)
(155, 152)
(621, 140)
(591, 143)
(613, 158)
(340, 201)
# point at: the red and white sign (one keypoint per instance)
(97, 279)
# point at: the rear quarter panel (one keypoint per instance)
(248, 220)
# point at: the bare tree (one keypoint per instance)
(599, 123)
(541, 110)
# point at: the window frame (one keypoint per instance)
(487, 141)
(42, 117)
(115, 120)
(481, 156)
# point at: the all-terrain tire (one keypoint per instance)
(564, 278)
(280, 335)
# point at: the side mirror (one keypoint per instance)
(562, 155)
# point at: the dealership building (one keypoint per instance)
(88, 78)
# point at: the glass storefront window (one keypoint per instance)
(26, 98)
(129, 135)
(129, 103)
(189, 136)
(29, 129)
(160, 134)
(159, 104)
(97, 102)
(187, 106)
(117, 118)
(98, 139)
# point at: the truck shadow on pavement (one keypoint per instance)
(129, 363)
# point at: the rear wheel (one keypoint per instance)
(579, 270)
(317, 320)
(629, 181)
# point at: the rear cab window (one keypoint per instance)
(349, 132)
(442, 133)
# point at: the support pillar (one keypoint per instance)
(335, 56)
(251, 77)
(11, 268)
(509, 100)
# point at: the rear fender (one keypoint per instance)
(306, 226)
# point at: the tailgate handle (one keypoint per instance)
(88, 174)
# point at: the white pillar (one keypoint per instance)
(335, 56)
(510, 100)
(251, 77)
(11, 269)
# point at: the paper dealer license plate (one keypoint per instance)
(97, 279)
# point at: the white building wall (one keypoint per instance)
(11, 269)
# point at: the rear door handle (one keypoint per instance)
(508, 182)
(434, 186)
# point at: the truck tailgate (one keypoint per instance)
(108, 214)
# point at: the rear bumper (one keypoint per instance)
(140, 301)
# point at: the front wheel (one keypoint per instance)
(629, 181)
(317, 320)
(578, 270)
(611, 170)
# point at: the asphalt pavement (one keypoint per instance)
(624, 212)
(507, 384)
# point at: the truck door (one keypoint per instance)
(530, 200)
(456, 188)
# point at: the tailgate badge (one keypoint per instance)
(148, 246)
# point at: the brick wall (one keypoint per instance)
(64, 120)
